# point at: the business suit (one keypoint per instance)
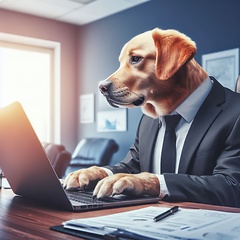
(209, 170)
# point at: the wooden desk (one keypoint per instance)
(23, 219)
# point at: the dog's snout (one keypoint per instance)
(104, 86)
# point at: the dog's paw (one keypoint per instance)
(130, 184)
(84, 178)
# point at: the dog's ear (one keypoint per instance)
(173, 49)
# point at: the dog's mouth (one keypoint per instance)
(123, 97)
(116, 103)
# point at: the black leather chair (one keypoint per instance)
(92, 151)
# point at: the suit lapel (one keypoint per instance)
(208, 112)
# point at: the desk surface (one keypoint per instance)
(24, 219)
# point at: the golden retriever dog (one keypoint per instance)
(157, 72)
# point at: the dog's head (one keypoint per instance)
(150, 72)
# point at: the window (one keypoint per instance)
(27, 75)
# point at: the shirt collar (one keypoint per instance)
(190, 106)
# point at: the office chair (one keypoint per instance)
(92, 151)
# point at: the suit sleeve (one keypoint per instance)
(219, 188)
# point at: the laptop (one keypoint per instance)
(31, 175)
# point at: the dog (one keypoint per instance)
(157, 72)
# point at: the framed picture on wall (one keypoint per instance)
(224, 66)
(86, 103)
(112, 121)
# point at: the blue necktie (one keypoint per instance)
(168, 159)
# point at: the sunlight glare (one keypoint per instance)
(26, 78)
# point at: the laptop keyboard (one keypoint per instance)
(87, 197)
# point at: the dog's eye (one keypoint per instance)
(135, 59)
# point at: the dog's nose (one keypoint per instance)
(104, 86)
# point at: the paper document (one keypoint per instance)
(185, 224)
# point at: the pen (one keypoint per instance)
(166, 214)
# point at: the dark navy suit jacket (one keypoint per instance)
(209, 170)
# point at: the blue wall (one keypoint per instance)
(213, 25)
